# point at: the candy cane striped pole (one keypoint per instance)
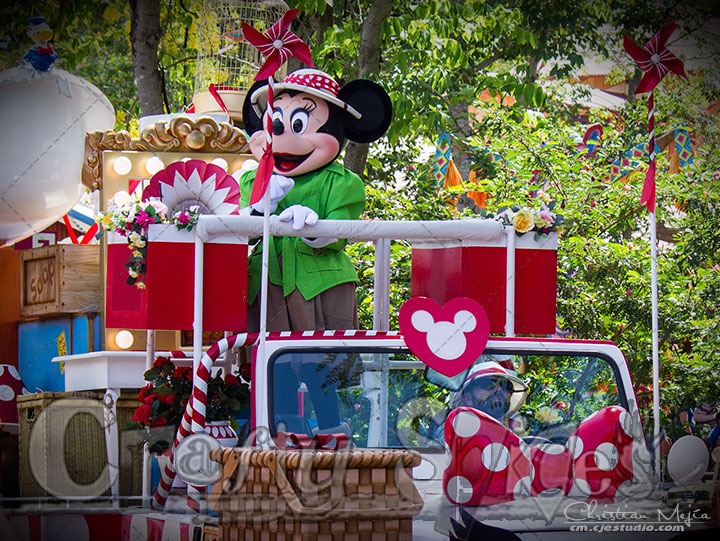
(193, 419)
(650, 180)
(266, 227)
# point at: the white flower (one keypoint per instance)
(137, 240)
(120, 199)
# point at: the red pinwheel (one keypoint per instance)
(278, 44)
(655, 59)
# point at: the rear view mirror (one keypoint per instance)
(450, 383)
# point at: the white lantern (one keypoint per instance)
(42, 146)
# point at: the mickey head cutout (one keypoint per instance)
(448, 339)
(312, 118)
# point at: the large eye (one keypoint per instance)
(276, 115)
(299, 121)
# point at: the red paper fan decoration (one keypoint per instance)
(182, 185)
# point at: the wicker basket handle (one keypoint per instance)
(305, 466)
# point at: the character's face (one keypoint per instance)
(297, 145)
(490, 395)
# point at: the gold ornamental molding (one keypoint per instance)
(180, 134)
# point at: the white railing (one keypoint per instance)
(381, 232)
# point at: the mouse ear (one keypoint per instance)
(373, 103)
(422, 321)
(251, 121)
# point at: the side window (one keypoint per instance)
(562, 392)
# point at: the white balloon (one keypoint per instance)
(42, 145)
(688, 460)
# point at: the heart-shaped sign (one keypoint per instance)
(447, 338)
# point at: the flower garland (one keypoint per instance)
(527, 219)
(130, 217)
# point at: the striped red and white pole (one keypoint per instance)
(648, 193)
(193, 419)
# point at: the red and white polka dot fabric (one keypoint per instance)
(490, 464)
(10, 387)
(313, 79)
(602, 448)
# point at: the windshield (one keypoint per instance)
(383, 398)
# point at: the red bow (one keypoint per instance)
(655, 59)
(45, 50)
(490, 464)
(278, 44)
(291, 440)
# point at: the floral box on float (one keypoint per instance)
(166, 301)
(478, 270)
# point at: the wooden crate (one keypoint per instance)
(84, 455)
(60, 279)
(358, 494)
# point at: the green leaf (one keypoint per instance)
(533, 40)
(397, 25)
(529, 93)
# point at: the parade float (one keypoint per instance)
(358, 434)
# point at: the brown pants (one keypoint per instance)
(334, 309)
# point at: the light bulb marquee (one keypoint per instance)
(115, 161)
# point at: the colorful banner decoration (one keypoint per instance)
(443, 155)
(683, 147)
(592, 140)
(629, 162)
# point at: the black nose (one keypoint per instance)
(278, 127)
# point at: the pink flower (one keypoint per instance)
(547, 216)
(143, 219)
(159, 206)
(183, 218)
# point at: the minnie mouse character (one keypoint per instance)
(312, 281)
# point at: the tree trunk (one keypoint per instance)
(368, 62)
(145, 36)
(459, 112)
(633, 83)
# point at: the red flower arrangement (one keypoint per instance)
(164, 398)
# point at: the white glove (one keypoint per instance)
(317, 242)
(278, 187)
(300, 216)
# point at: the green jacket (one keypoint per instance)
(335, 193)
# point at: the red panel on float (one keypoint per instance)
(167, 300)
(444, 272)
